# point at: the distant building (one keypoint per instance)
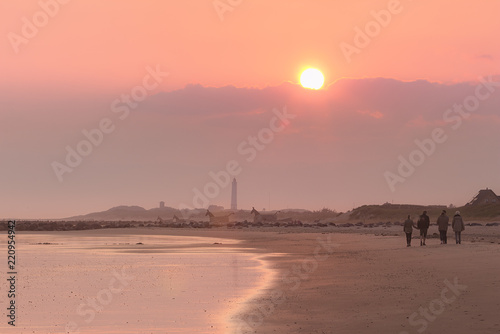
(162, 205)
(221, 219)
(264, 218)
(485, 196)
(177, 219)
(215, 208)
(234, 195)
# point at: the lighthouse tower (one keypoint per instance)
(234, 205)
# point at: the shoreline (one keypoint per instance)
(197, 279)
(367, 285)
(372, 283)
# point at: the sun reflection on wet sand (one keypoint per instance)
(265, 282)
(173, 284)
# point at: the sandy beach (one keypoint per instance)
(336, 281)
(364, 283)
(373, 284)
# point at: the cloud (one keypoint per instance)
(487, 57)
(372, 113)
(396, 101)
(334, 151)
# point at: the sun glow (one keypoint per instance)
(312, 79)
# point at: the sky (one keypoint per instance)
(136, 102)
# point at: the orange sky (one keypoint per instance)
(105, 45)
(64, 77)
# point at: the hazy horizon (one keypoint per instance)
(132, 103)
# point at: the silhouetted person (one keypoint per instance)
(458, 226)
(408, 227)
(443, 222)
(423, 225)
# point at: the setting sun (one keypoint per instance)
(312, 78)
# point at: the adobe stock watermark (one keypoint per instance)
(31, 26)
(363, 37)
(290, 281)
(92, 306)
(249, 149)
(426, 315)
(121, 106)
(452, 117)
(223, 6)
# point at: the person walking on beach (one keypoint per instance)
(408, 227)
(423, 225)
(442, 223)
(458, 226)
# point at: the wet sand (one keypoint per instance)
(116, 282)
